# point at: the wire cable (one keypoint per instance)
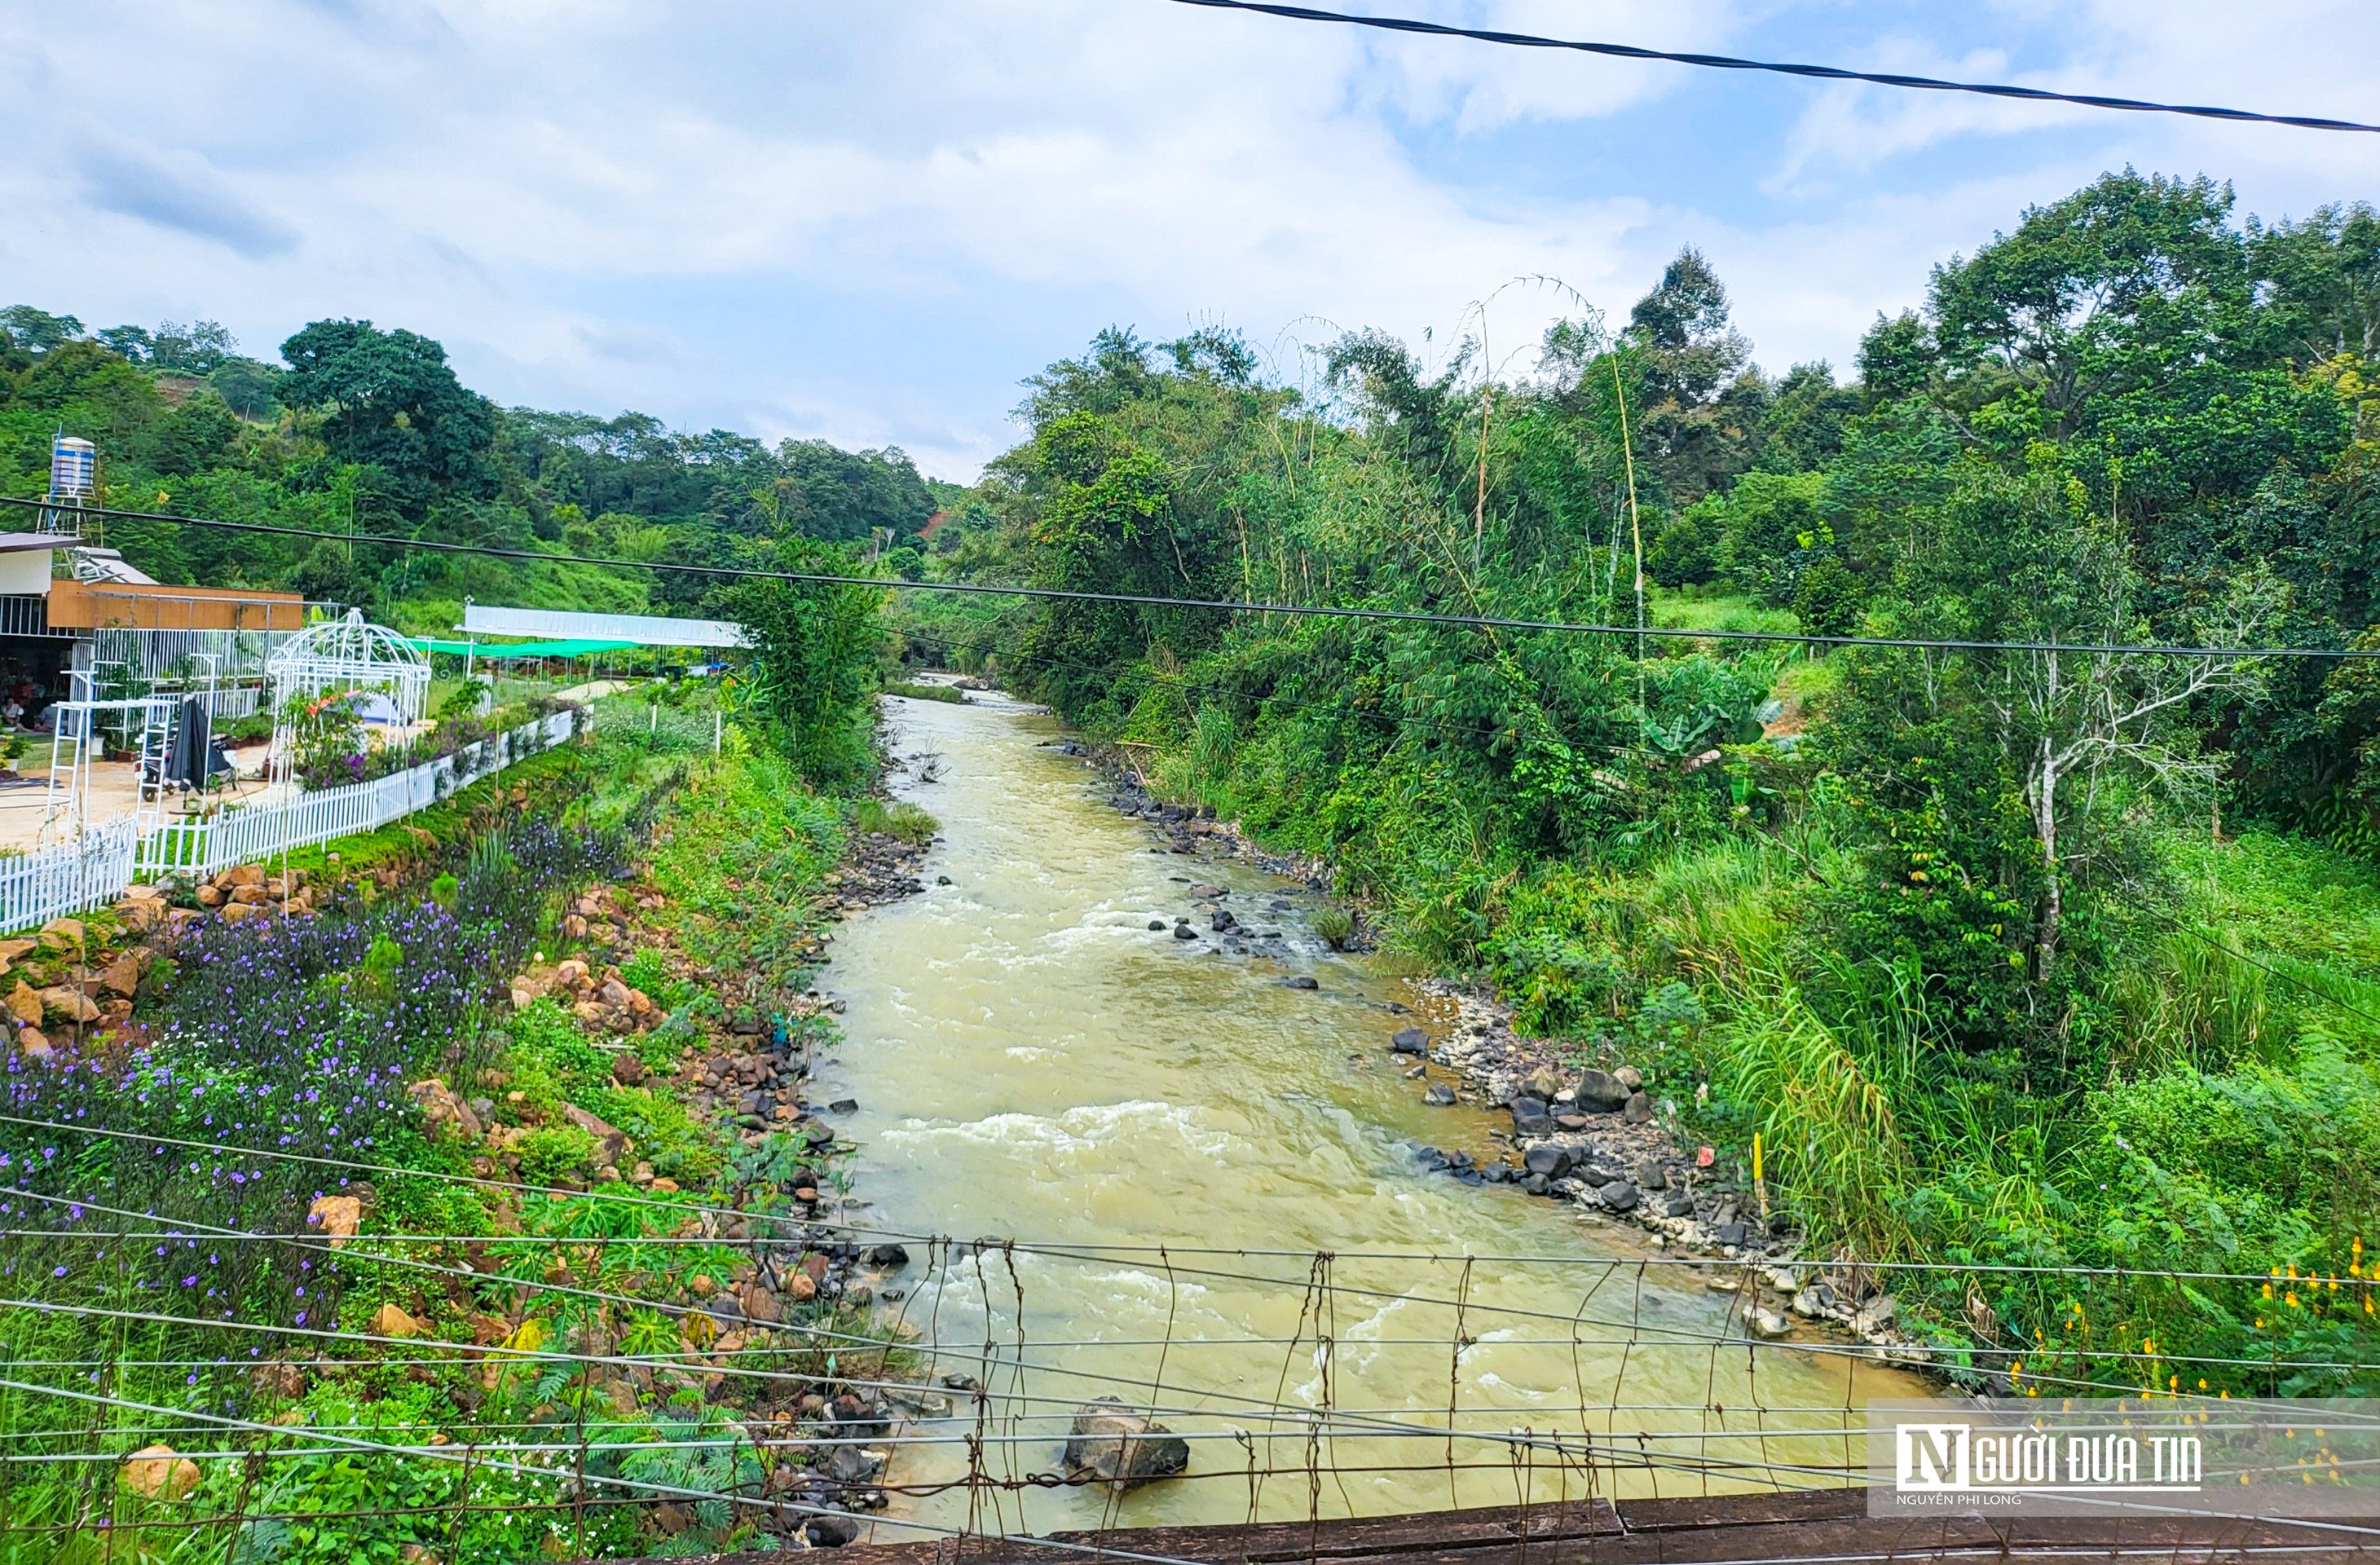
(1782, 68)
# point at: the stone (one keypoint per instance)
(1301, 981)
(1410, 1041)
(248, 896)
(1185, 933)
(801, 1288)
(1158, 924)
(1209, 893)
(571, 974)
(241, 913)
(160, 1473)
(1730, 1232)
(1598, 1091)
(1542, 1083)
(1651, 1175)
(1530, 1117)
(1223, 922)
(67, 1003)
(123, 975)
(61, 934)
(1874, 1317)
(1550, 1159)
(889, 1257)
(390, 1321)
(241, 875)
(1438, 1095)
(1809, 1304)
(336, 1216)
(25, 1004)
(1630, 1077)
(33, 1043)
(760, 1305)
(612, 1144)
(1122, 1448)
(613, 992)
(1680, 1204)
(141, 916)
(1618, 1195)
(844, 1106)
(1766, 1325)
(829, 1531)
(1637, 1109)
(441, 1110)
(628, 1070)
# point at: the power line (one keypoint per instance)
(1782, 68)
(1235, 606)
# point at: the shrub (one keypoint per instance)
(553, 1153)
(910, 823)
(1335, 925)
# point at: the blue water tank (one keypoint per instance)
(74, 469)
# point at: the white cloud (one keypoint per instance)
(868, 222)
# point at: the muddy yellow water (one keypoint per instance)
(1219, 1214)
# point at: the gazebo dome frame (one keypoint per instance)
(348, 654)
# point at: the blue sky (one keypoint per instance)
(869, 219)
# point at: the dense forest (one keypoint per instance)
(363, 431)
(2044, 957)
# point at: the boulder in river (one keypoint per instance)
(1410, 1041)
(1551, 1158)
(1531, 1117)
(1122, 1448)
(1300, 981)
(1618, 1195)
(1156, 924)
(1185, 933)
(1438, 1095)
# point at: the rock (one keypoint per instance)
(1158, 924)
(1542, 1083)
(439, 1107)
(25, 1004)
(61, 934)
(68, 1005)
(1223, 922)
(1637, 1109)
(160, 1473)
(760, 1305)
(143, 914)
(248, 896)
(613, 993)
(1630, 1077)
(1618, 1195)
(1410, 1041)
(889, 1257)
(1185, 933)
(1550, 1159)
(241, 913)
(1808, 1303)
(1530, 1117)
(1209, 893)
(1650, 1175)
(1301, 981)
(628, 1070)
(390, 1321)
(571, 974)
(612, 1144)
(336, 1216)
(1783, 1280)
(1730, 1232)
(1438, 1095)
(801, 1288)
(1766, 1324)
(241, 875)
(1121, 1447)
(123, 975)
(1874, 1317)
(33, 1043)
(1598, 1091)
(833, 1531)
(1680, 1204)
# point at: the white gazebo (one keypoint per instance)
(345, 657)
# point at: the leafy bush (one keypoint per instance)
(909, 823)
(1335, 925)
(552, 1153)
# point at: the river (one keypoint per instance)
(1032, 1061)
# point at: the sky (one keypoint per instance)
(869, 220)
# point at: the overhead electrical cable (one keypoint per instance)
(1234, 606)
(1784, 67)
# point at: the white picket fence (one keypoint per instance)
(96, 869)
(73, 877)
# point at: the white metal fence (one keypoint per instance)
(97, 867)
(94, 869)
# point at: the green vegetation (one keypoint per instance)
(370, 430)
(2048, 959)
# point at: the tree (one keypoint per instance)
(390, 400)
(37, 331)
